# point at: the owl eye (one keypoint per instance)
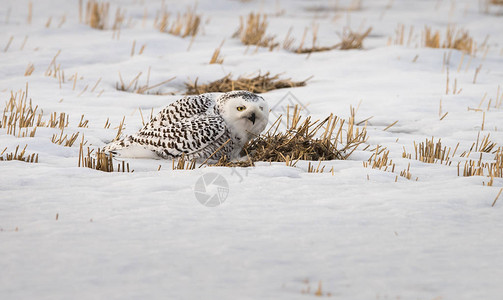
(241, 108)
(261, 108)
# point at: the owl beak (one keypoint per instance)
(252, 118)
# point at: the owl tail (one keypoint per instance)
(126, 148)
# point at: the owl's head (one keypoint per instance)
(245, 112)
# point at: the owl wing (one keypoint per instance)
(184, 108)
(188, 126)
(196, 136)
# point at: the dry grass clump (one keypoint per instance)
(135, 87)
(400, 36)
(54, 70)
(253, 31)
(354, 5)
(482, 146)
(257, 84)
(485, 145)
(318, 292)
(318, 140)
(60, 121)
(183, 164)
(431, 40)
(102, 161)
(349, 40)
(485, 7)
(298, 142)
(97, 15)
(431, 152)
(481, 168)
(406, 173)
(19, 115)
(21, 119)
(380, 160)
(319, 168)
(184, 25)
(454, 39)
(353, 40)
(458, 39)
(64, 140)
(16, 155)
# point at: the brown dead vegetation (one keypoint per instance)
(184, 25)
(257, 84)
(253, 31)
(313, 140)
(19, 155)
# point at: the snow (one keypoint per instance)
(70, 232)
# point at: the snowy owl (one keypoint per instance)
(197, 126)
